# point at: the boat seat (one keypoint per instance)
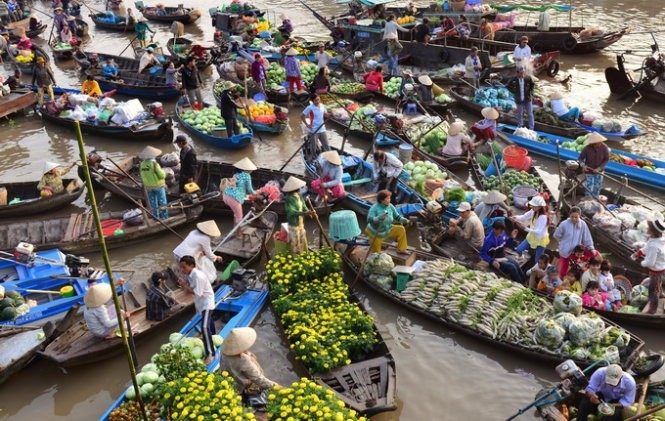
(356, 182)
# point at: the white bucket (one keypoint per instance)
(405, 152)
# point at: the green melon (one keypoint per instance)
(6, 302)
(12, 294)
(8, 313)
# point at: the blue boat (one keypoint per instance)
(48, 304)
(360, 187)
(234, 142)
(45, 264)
(241, 312)
(654, 179)
(627, 134)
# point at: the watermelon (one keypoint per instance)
(8, 313)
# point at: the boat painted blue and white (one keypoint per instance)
(234, 142)
(628, 134)
(44, 264)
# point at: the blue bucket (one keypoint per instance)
(259, 97)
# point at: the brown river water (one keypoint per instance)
(441, 375)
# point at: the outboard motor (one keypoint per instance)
(24, 252)
(241, 279)
(78, 266)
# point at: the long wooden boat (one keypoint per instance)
(254, 239)
(27, 68)
(16, 101)
(547, 147)
(149, 130)
(16, 29)
(230, 312)
(613, 136)
(173, 14)
(82, 58)
(76, 233)
(360, 187)
(275, 128)
(179, 47)
(566, 129)
(234, 142)
(628, 357)
(63, 52)
(31, 202)
(566, 39)
(97, 19)
(622, 81)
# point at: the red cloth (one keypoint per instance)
(483, 134)
(295, 83)
(337, 191)
(373, 81)
(566, 262)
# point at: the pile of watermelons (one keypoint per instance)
(12, 305)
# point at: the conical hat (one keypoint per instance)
(490, 113)
(425, 80)
(332, 157)
(150, 152)
(291, 52)
(455, 128)
(595, 137)
(48, 166)
(245, 164)
(239, 340)
(556, 95)
(97, 295)
(293, 184)
(494, 197)
(209, 228)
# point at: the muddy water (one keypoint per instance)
(441, 374)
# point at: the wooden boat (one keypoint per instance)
(271, 95)
(27, 68)
(275, 128)
(97, 19)
(17, 101)
(173, 14)
(230, 312)
(627, 358)
(43, 264)
(63, 52)
(650, 83)
(653, 179)
(564, 38)
(16, 29)
(76, 233)
(83, 58)
(32, 202)
(360, 188)
(566, 129)
(152, 129)
(235, 142)
(179, 47)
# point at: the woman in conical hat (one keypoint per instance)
(295, 210)
(242, 363)
(197, 245)
(51, 182)
(486, 128)
(234, 195)
(96, 315)
(330, 176)
(594, 158)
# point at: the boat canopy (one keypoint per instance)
(368, 3)
(558, 8)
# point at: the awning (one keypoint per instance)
(556, 7)
(368, 3)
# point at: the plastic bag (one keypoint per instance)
(549, 334)
(379, 264)
(639, 296)
(568, 302)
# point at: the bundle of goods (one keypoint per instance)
(606, 125)
(109, 17)
(495, 97)
(276, 76)
(576, 145)
(546, 116)
(509, 312)
(442, 99)
(256, 43)
(526, 133)
(308, 71)
(107, 111)
(12, 305)
(25, 58)
(271, 190)
(348, 88)
(511, 179)
(485, 160)
(477, 8)
(391, 87)
(425, 177)
(63, 46)
(363, 118)
(457, 70)
(208, 119)
(222, 85)
(237, 6)
(645, 164)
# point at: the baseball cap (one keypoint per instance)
(613, 374)
(463, 207)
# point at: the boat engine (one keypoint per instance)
(192, 194)
(259, 203)
(241, 279)
(24, 252)
(78, 266)
(572, 377)
(431, 226)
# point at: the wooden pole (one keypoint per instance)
(109, 270)
(318, 221)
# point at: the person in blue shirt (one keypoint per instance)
(611, 385)
(493, 252)
(110, 71)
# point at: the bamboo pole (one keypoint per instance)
(109, 270)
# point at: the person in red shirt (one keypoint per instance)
(197, 50)
(374, 80)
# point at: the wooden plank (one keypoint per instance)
(70, 227)
(367, 196)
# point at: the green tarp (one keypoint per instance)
(504, 9)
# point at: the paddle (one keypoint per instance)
(307, 139)
(124, 172)
(130, 334)
(318, 221)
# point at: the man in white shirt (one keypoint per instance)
(313, 118)
(322, 57)
(147, 59)
(473, 67)
(522, 54)
(393, 45)
(387, 168)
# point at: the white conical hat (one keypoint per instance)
(537, 201)
(455, 128)
(209, 228)
(97, 295)
(48, 166)
(291, 52)
(556, 95)
(293, 184)
(595, 137)
(245, 164)
(150, 152)
(332, 157)
(494, 197)
(425, 80)
(490, 113)
(239, 340)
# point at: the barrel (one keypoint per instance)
(405, 152)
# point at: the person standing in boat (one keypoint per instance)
(473, 67)
(158, 302)
(493, 252)
(393, 45)
(192, 83)
(51, 182)
(330, 176)
(536, 223)
(141, 28)
(130, 19)
(258, 70)
(204, 301)
(292, 69)
(42, 76)
(522, 54)
(154, 180)
(188, 162)
(322, 57)
(422, 32)
(229, 109)
(594, 158)
(559, 107)
(486, 129)
(197, 244)
(60, 19)
(235, 195)
(386, 171)
(521, 87)
(313, 118)
(296, 209)
(571, 233)
(654, 260)
(380, 224)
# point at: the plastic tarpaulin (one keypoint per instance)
(505, 9)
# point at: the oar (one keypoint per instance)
(318, 221)
(249, 115)
(125, 173)
(130, 334)
(307, 139)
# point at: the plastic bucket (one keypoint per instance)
(110, 226)
(521, 195)
(67, 291)
(343, 225)
(259, 97)
(405, 152)
(526, 165)
(514, 156)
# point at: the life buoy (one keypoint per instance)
(444, 56)
(553, 68)
(570, 43)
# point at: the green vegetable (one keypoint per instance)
(217, 341)
(455, 195)
(8, 313)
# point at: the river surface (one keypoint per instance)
(441, 374)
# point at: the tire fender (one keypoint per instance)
(553, 68)
(570, 43)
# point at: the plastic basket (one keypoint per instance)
(521, 195)
(109, 226)
(515, 156)
(343, 225)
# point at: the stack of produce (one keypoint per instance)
(221, 85)
(276, 75)
(237, 7)
(442, 99)
(12, 305)
(208, 119)
(261, 111)
(639, 296)
(324, 328)
(433, 141)
(348, 88)
(509, 312)
(391, 87)
(543, 115)
(256, 43)
(645, 164)
(422, 171)
(576, 145)
(363, 118)
(25, 59)
(406, 20)
(511, 179)
(495, 97)
(308, 71)
(62, 46)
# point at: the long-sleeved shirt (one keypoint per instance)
(188, 162)
(486, 123)
(190, 77)
(331, 172)
(242, 188)
(157, 304)
(624, 392)
(109, 70)
(470, 67)
(98, 320)
(373, 81)
(247, 371)
(535, 227)
(380, 227)
(91, 87)
(390, 30)
(291, 66)
(559, 107)
(522, 53)
(42, 76)
(152, 174)
(140, 28)
(654, 255)
(454, 144)
(258, 71)
(391, 167)
(571, 235)
(595, 157)
(295, 208)
(53, 180)
(204, 296)
(472, 230)
(521, 88)
(493, 246)
(171, 78)
(196, 242)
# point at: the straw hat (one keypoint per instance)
(282, 16)
(245, 164)
(293, 184)
(239, 340)
(494, 197)
(556, 95)
(456, 128)
(595, 137)
(150, 152)
(490, 113)
(209, 228)
(97, 295)
(657, 225)
(332, 157)
(537, 201)
(48, 166)
(291, 52)
(425, 80)
(57, 8)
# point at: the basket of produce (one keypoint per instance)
(522, 194)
